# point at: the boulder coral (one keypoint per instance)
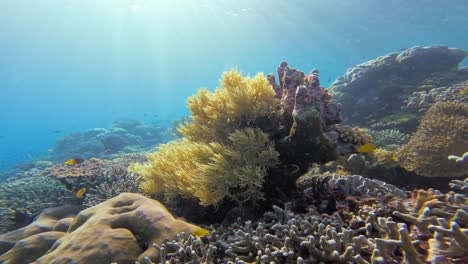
(370, 90)
(443, 131)
(120, 230)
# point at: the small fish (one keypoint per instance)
(201, 232)
(395, 158)
(58, 131)
(367, 148)
(79, 194)
(73, 161)
(463, 91)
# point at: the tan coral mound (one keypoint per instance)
(28, 243)
(119, 230)
(443, 131)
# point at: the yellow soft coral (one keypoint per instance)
(240, 102)
(211, 171)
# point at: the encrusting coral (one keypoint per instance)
(442, 131)
(211, 171)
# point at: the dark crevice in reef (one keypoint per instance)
(409, 180)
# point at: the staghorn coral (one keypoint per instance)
(460, 185)
(93, 172)
(106, 185)
(210, 172)
(442, 131)
(240, 102)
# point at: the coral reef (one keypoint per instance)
(120, 230)
(443, 131)
(92, 172)
(381, 85)
(422, 100)
(425, 227)
(307, 112)
(23, 199)
(125, 136)
(210, 172)
(348, 138)
(388, 139)
(234, 136)
(107, 184)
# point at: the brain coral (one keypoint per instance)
(443, 131)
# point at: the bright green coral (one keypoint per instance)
(240, 102)
(210, 172)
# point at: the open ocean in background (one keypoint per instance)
(68, 66)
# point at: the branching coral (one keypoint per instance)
(27, 197)
(238, 103)
(388, 139)
(211, 171)
(106, 185)
(443, 131)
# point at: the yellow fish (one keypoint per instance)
(463, 91)
(367, 148)
(73, 161)
(79, 194)
(201, 232)
(395, 158)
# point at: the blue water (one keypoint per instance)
(73, 65)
